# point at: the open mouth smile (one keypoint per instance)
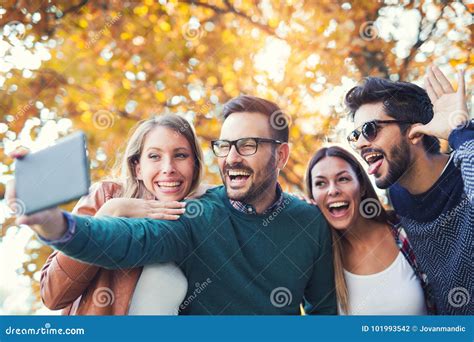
(338, 209)
(375, 161)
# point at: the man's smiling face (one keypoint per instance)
(248, 177)
(388, 155)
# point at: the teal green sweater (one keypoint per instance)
(235, 263)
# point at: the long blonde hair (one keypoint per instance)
(368, 192)
(124, 169)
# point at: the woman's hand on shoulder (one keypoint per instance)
(305, 198)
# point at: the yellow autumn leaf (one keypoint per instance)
(164, 26)
(83, 23)
(141, 10)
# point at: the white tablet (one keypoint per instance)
(53, 176)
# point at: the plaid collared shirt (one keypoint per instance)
(405, 247)
(249, 209)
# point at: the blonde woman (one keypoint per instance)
(375, 269)
(161, 166)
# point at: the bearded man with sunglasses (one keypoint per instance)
(257, 249)
(398, 127)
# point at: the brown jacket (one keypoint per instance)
(84, 289)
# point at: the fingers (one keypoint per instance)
(167, 205)
(10, 193)
(22, 220)
(303, 197)
(28, 220)
(461, 82)
(429, 89)
(40, 218)
(169, 211)
(442, 80)
(49, 224)
(161, 213)
(19, 153)
(434, 84)
(306, 199)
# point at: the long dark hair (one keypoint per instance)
(368, 195)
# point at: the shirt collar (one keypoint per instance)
(249, 209)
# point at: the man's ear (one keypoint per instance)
(415, 137)
(283, 154)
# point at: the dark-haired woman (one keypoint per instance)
(376, 272)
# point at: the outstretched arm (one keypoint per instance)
(115, 242)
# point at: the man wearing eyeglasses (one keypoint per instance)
(398, 127)
(258, 249)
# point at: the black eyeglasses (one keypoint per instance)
(370, 129)
(244, 146)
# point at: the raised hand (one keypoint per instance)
(449, 106)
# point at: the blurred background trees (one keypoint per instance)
(100, 66)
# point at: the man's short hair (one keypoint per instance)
(278, 121)
(401, 101)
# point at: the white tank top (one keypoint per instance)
(160, 290)
(393, 291)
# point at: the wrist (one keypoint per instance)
(57, 229)
(110, 208)
(461, 134)
(119, 207)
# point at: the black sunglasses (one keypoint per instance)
(370, 129)
(244, 146)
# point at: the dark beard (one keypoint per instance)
(257, 190)
(397, 165)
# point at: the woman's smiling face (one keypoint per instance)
(336, 190)
(166, 164)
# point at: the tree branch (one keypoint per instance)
(419, 42)
(231, 9)
(74, 8)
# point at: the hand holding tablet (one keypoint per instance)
(46, 179)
